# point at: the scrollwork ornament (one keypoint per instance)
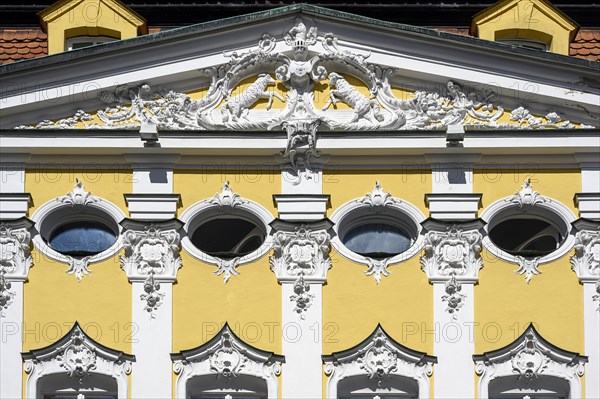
(586, 261)
(526, 196)
(227, 361)
(529, 362)
(79, 267)
(78, 197)
(227, 268)
(378, 197)
(378, 268)
(15, 251)
(596, 297)
(226, 198)
(379, 361)
(77, 358)
(529, 267)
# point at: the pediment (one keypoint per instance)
(257, 71)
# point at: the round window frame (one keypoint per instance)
(52, 213)
(409, 220)
(550, 210)
(247, 210)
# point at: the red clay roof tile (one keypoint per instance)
(586, 45)
(16, 44)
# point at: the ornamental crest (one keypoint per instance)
(78, 197)
(455, 252)
(226, 198)
(303, 252)
(586, 261)
(379, 361)
(152, 251)
(529, 362)
(15, 251)
(227, 361)
(78, 358)
(526, 196)
(377, 197)
(297, 70)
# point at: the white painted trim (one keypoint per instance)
(454, 344)
(152, 344)
(591, 328)
(44, 215)
(260, 215)
(551, 211)
(408, 213)
(11, 372)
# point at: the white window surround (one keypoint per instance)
(529, 357)
(543, 208)
(226, 357)
(70, 208)
(378, 357)
(93, 40)
(78, 357)
(378, 206)
(225, 204)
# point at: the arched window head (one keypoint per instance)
(78, 367)
(529, 366)
(226, 367)
(378, 367)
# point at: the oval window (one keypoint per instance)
(377, 240)
(82, 238)
(228, 238)
(526, 237)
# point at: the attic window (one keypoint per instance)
(78, 42)
(530, 44)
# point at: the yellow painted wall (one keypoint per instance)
(353, 303)
(553, 300)
(53, 300)
(249, 302)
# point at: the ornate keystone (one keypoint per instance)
(526, 196)
(78, 197)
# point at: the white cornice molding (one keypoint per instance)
(78, 200)
(226, 356)
(378, 357)
(225, 202)
(75, 356)
(530, 357)
(527, 200)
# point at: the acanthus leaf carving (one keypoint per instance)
(15, 249)
(227, 268)
(78, 197)
(596, 297)
(377, 268)
(526, 196)
(226, 198)
(78, 358)
(529, 267)
(378, 197)
(151, 251)
(79, 267)
(586, 260)
(131, 106)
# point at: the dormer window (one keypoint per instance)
(78, 42)
(530, 44)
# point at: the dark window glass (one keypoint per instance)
(377, 240)
(82, 238)
(526, 237)
(228, 238)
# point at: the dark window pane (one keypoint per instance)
(377, 240)
(526, 237)
(82, 238)
(228, 238)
